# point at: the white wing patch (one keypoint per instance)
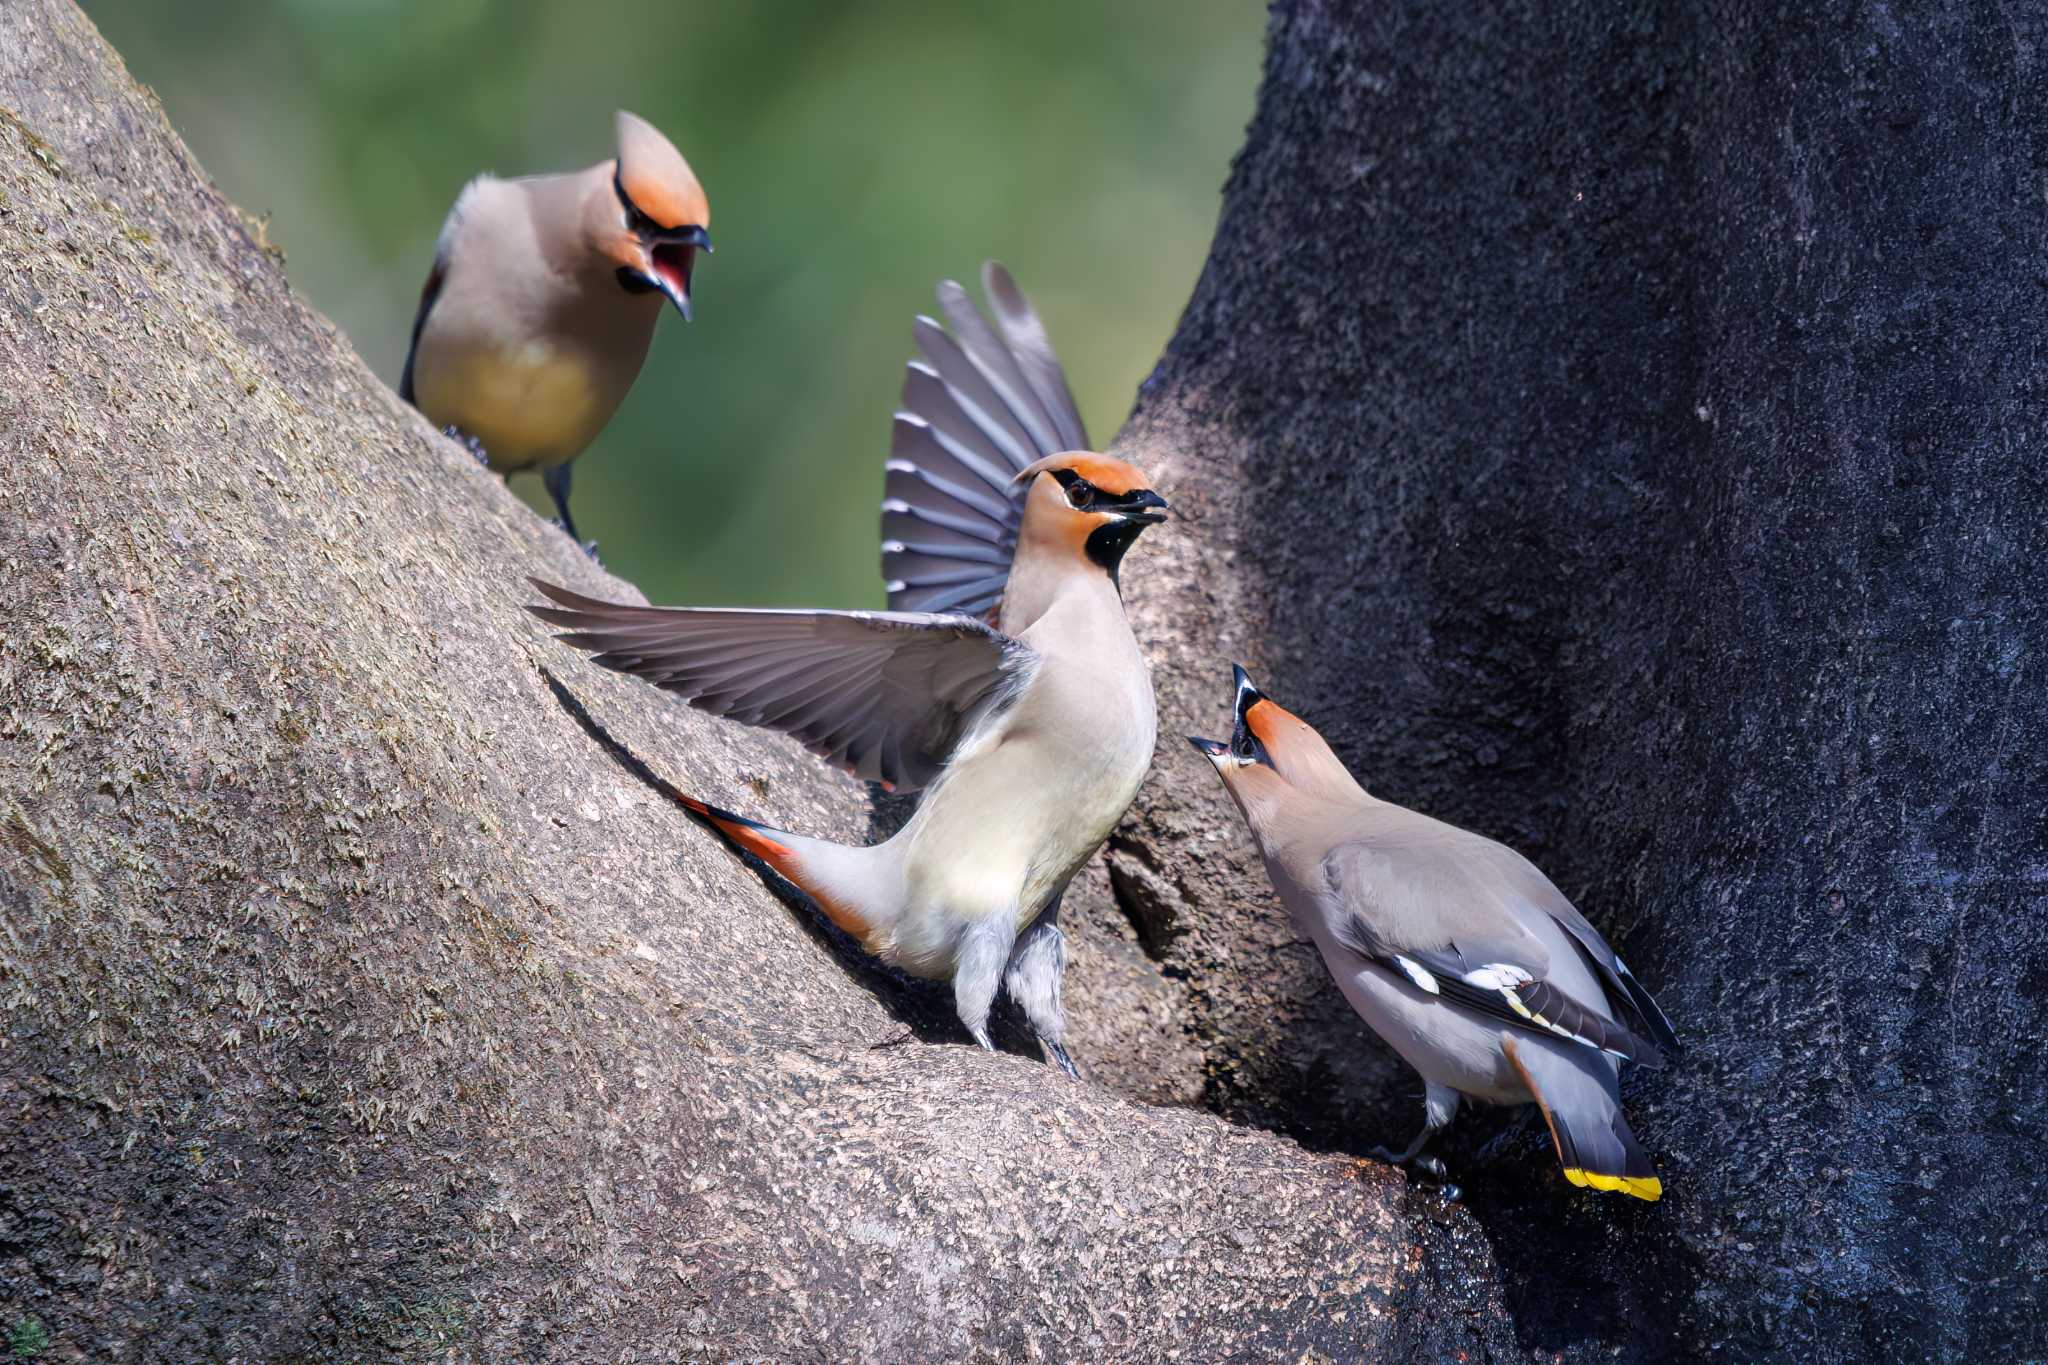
(1505, 979)
(1417, 973)
(1498, 976)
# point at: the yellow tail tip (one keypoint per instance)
(1647, 1187)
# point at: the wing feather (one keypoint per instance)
(1475, 955)
(885, 695)
(984, 402)
(430, 293)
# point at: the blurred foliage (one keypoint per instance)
(854, 155)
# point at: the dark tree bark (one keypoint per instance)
(1612, 427)
(1619, 427)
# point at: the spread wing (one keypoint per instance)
(885, 695)
(1459, 934)
(980, 404)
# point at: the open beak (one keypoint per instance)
(1245, 747)
(671, 261)
(1245, 744)
(1248, 696)
(1144, 507)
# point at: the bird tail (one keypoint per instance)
(812, 866)
(792, 856)
(1581, 1105)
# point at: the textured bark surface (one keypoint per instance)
(1620, 429)
(1617, 431)
(358, 1004)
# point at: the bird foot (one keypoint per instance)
(1413, 1157)
(469, 443)
(1430, 1168)
(1057, 1053)
(898, 1041)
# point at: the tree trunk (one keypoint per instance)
(1611, 429)
(1619, 429)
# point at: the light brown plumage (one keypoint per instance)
(542, 302)
(1028, 725)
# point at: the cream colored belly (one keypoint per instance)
(533, 405)
(1001, 837)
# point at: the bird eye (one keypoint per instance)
(1081, 493)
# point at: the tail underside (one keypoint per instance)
(1579, 1103)
(782, 851)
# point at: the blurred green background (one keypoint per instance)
(853, 154)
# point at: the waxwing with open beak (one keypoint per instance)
(542, 302)
(1458, 952)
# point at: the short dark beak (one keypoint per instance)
(674, 258)
(1209, 748)
(1144, 506)
(1244, 741)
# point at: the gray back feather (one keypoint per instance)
(885, 695)
(983, 403)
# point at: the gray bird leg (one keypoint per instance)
(978, 970)
(1439, 1107)
(557, 480)
(1037, 965)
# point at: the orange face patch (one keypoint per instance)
(1112, 476)
(1273, 724)
(657, 179)
(1291, 741)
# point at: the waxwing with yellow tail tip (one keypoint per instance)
(1458, 952)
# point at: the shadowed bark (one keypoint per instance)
(1620, 429)
(1613, 429)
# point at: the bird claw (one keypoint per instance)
(469, 443)
(1057, 1052)
(1429, 1168)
